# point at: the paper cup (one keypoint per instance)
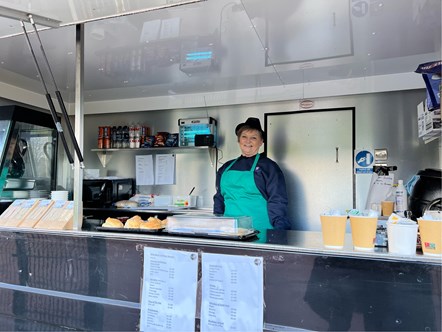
(333, 231)
(402, 238)
(363, 232)
(387, 208)
(61, 195)
(431, 236)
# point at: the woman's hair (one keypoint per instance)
(247, 128)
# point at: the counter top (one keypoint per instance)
(307, 242)
(91, 281)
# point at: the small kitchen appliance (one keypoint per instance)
(102, 193)
(197, 132)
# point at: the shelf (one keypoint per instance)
(166, 148)
(105, 155)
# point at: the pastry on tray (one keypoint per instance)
(112, 223)
(151, 223)
(126, 204)
(133, 222)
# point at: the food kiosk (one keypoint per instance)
(92, 279)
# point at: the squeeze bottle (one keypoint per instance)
(401, 200)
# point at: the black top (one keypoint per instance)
(269, 180)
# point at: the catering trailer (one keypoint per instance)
(327, 79)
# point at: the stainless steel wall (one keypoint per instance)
(383, 120)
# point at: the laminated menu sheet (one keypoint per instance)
(21, 213)
(39, 211)
(170, 280)
(232, 295)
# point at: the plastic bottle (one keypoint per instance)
(126, 139)
(137, 135)
(119, 143)
(114, 137)
(401, 200)
(132, 136)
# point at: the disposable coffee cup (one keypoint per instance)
(333, 231)
(59, 195)
(402, 238)
(431, 236)
(363, 232)
(387, 208)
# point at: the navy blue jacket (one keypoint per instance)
(269, 180)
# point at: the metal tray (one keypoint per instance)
(19, 184)
(130, 230)
(244, 237)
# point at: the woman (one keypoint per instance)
(252, 184)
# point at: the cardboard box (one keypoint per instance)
(11, 210)
(59, 216)
(21, 213)
(40, 210)
(429, 122)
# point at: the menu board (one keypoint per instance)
(169, 290)
(232, 293)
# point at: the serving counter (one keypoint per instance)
(69, 280)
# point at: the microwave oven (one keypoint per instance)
(102, 193)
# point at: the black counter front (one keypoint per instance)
(92, 281)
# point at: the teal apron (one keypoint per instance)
(242, 197)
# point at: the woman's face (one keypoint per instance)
(249, 142)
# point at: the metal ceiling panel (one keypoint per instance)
(222, 45)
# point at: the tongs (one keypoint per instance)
(49, 98)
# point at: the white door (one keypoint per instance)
(315, 151)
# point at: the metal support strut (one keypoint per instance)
(59, 98)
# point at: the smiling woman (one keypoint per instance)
(252, 184)
(250, 137)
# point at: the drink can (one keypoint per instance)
(100, 137)
(107, 132)
(106, 143)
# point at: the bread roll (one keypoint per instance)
(154, 219)
(133, 222)
(112, 222)
(153, 223)
(126, 204)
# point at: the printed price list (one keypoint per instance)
(166, 305)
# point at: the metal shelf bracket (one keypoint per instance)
(104, 157)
